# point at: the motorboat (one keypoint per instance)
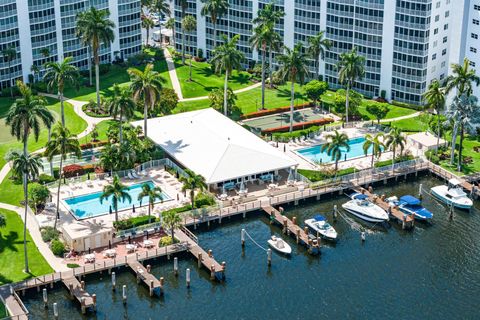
(279, 245)
(319, 225)
(410, 205)
(361, 207)
(453, 194)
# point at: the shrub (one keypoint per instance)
(301, 125)
(133, 222)
(93, 144)
(267, 112)
(165, 241)
(45, 178)
(72, 265)
(200, 53)
(406, 105)
(204, 200)
(88, 168)
(104, 68)
(73, 170)
(49, 234)
(37, 195)
(58, 247)
(397, 160)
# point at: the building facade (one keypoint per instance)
(44, 30)
(406, 43)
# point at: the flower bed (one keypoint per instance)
(301, 125)
(267, 112)
(73, 170)
(93, 144)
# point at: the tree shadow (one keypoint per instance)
(9, 241)
(285, 93)
(4, 279)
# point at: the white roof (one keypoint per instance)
(214, 146)
(454, 181)
(426, 139)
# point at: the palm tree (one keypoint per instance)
(9, 54)
(146, 85)
(462, 79)
(35, 71)
(435, 98)
(215, 9)
(293, 66)
(376, 143)
(118, 192)
(161, 7)
(24, 117)
(94, 28)
(171, 25)
(153, 194)
(121, 104)
(147, 24)
(268, 17)
(317, 45)
(28, 165)
(62, 143)
(183, 4)
(189, 24)
(192, 182)
(173, 220)
(45, 52)
(227, 57)
(393, 140)
(60, 74)
(333, 146)
(350, 68)
(3, 221)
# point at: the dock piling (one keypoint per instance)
(269, 257)
(363, 236)
(55, 310)
(175, 266)
(94, 298)
(242, 237)
(124, 294)
(199, 259)
(114, 281)
(420, 187)
(45, 298)
(162, 282)
(187, 276)
(212, 272)
(82, 305)
(335, 213)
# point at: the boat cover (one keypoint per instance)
(319, 217)
(410, 200)
(360, 196)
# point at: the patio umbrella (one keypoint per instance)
(242, 186)
(88, 176)
(109, 244)
(178, 197)
(272, 177)
(129, 240)
(290, 175)
(133, 208)
(223, 190)
(110, 210)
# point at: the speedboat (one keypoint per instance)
(319, 225)
(279, 245)
(410, 205)
(361, 207)
(453, 194)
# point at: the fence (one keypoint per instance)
(140, 229)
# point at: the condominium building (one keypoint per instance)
(406, 43)
(44, 30)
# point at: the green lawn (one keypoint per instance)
(205, 80)
(394, 112)
(11, 191)
(11, 252)
(415, 124)
(469, 143)
(3, 311)
(102, 128)
(7, 142)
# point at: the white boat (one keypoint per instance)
(362, 208)
(410, 205)
(453, 194)
(319, 225)
(279, 245)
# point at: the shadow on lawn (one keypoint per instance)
(9, 241)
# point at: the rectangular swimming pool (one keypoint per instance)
(89, 206)
(314, 154)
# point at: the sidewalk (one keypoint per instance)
(173, 74)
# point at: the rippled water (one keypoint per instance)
(430, 273)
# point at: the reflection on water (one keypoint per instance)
(432, 272)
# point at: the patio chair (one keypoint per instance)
(129, 176)
(134, 174)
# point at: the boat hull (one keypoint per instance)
(363, 216)
(285, 250)
(440, 196)
(322, 234)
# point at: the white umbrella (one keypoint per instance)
(291, 177)
(242, 186)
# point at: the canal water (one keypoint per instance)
(430, 273)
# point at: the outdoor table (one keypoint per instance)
(130, 247)
(272, 186)
(223, 196)
(148, 243)
(90, 257)
(110, 253)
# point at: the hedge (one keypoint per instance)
(315, 175)
(73, 170)
(133, 222)
(397, 160)
(407, 105)
(267, 112)
(301, 125)
(93, 144)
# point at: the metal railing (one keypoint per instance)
(139, 230)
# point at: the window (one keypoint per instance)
(443, 64)
(437, 18)
(444, 52)
(434, 56)
(442, 76)
(447, 14)
(445, 39)
(472, 64)
(474, 36)
(445, 26)
(476, 7)
(438, 4)
(435, 31)
(435, 43)
(434, 69)
(475, 21)
(472, 49)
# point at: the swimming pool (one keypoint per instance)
(315, 154)
(88, 205)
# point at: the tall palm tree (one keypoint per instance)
(293, 66)
(35, 71)
(183, 5)
(118, 192)
(317, 45)
(121, 105)
(189, 24)
(9, 54)
(146, 85)
(375, 143)
(161, 8)
(462, 79)
(60, 74)
(393, 140)
(25, 116)
(269, 16)
(62, 143)
(172, 220)
(147, 24)
(226, 57)
(350, 68)
(28, 166)
(45, 52)
(334, 145)
(94, 29)
(192, 182)
(171, 25)
(153, 194)
(435, 98)
(215, 9)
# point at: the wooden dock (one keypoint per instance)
(217, 270)
(291, 228)
(13, 304)
(154, 285)
(78, 292)
(407, 221)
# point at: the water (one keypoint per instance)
(89, 205)
(432, 272)
(315, 154)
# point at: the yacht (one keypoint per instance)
(453, 194)
(361, 207)
(319, 225)
(410, 205)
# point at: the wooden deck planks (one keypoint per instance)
(12, 304)
(146, 277)
(78, 292)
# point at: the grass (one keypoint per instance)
(205, 80)
(11, 252)
(415, 124)
(469, 143)
(7, 142)
(3, 311)
(394, 112)
(12, 191)
(102, 128)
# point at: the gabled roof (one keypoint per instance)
(214, 146)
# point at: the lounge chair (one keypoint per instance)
(129, 175)
(135, 175)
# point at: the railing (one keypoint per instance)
(190, 234)
(140, 229)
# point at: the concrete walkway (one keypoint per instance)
(413, 115)
(253, 86)
(173, 74)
